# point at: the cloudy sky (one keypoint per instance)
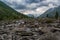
(34, 7)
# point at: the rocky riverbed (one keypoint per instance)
(29, 30)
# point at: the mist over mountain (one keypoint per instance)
(51, 12)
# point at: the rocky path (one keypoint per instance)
(29, 30)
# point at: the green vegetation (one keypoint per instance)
(56, 15)
(47, 15)
(7, 13)
(49, 21)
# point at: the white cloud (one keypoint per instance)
(38, 11)
(42, 9)
(33, 7)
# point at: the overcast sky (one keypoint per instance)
(34, 7)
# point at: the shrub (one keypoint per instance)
(49, 21)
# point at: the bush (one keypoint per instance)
(49, 21)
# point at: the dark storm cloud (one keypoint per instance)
(34, 1)
(20, 7)
(26, 3)
(32, 5)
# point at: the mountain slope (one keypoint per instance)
(51, 12)
(7, 13)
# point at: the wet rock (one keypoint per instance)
(24, 39)
(4, 32)
(23, 33)
(41, 32)
(58, 26)
(55, 30)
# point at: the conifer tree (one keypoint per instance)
(56, 15)
(47, 15)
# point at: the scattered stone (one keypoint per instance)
(27, 30)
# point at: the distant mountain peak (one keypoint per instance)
(51, 12)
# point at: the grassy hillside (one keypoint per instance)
(7, 13)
